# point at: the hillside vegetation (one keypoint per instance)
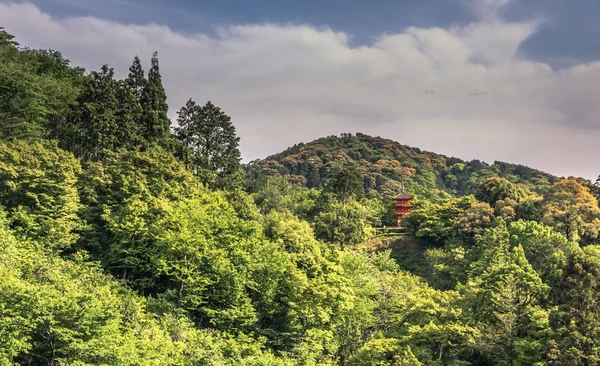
(383, 162)
(126, 239)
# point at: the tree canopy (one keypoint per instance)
(125, 240)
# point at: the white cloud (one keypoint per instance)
(462, 91)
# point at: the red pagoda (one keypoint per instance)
(402, 206)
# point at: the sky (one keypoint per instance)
(509, 80)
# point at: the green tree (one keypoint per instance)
(105, 117)
(38, 190)
(201, 246)
(426, 320)
(67, 311)
(136, 80)
(471, 224)
(343, 224)
(384, 352)
(56, 311)
(123, 193)
(6, 39)
(495, 189)
(576, 321)
(506, 293)
(209, 146)
(546, 250)
(298, 311)
(572, 210)
(433, 223)
(530, 208)
(38, 88)
(345, 181)
(278, 194)
(157, 126)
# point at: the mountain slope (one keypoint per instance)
(383, 162)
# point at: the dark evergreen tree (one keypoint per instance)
(128, 115)
(154, 105)
(105, 116)
(185, 130)
(7, 38)
(209, 146)
(136, 81)
(314, 178)
(93, 124)
(345, 181)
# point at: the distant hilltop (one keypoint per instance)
(383, 162)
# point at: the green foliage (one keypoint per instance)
(544, 248)
(345, 182)
(136, 81)
(278, 194)
(571, 209)
(576, 320)
(448, 264)
(342, 223)
(506, 292)
(495, 189)
(384, 352)
(123, 193)
(56, 311)
(156, 123)
(211, 257)
(209, 146)
(383, 163)
(38, 88)
(433, 223)
(6, 39)
(37, 188)
(426, 320)
(105, 116)
(471, 224)
(131, 256)
(530, 208)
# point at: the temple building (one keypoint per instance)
(402, 206)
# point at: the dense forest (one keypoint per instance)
(130, 239)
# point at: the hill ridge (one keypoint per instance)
(383, 161)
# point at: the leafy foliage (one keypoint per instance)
(124, 244)
(209, 146)
(383, 163)
(154, 105)
(570, 208)
(38, 189)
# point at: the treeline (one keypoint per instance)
(383, 163)
(43, 97)
(126, 241)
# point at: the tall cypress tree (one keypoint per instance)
(154, 105)
(136, 81)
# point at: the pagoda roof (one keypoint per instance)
(403, 196)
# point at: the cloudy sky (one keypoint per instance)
(515, 81)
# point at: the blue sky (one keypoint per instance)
(508, 80)
(569, 34)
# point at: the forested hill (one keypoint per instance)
(382, 163)
(130, 239)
